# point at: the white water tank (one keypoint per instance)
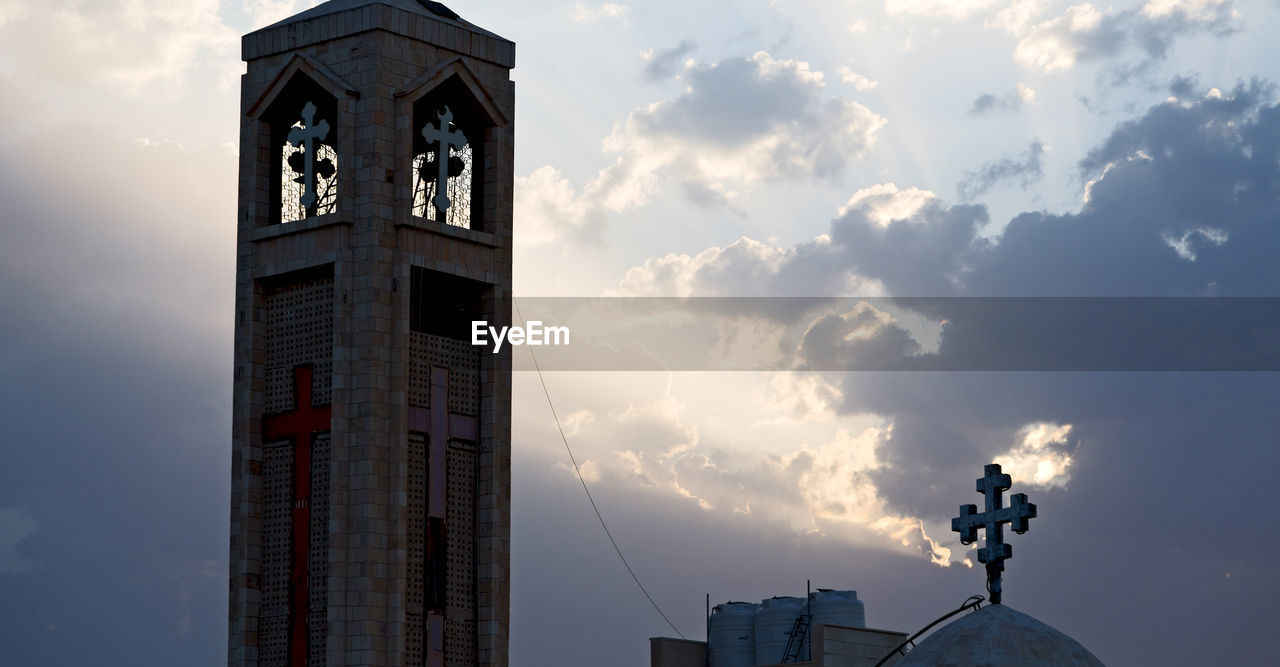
(838, 608)
(731, 641)
(774, 620)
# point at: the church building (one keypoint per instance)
(371, 441)
(371, 451)
(828, 628)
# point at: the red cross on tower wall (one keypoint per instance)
(441, 426)
(300, 425)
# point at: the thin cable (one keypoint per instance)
(565, 440)
(973, 601)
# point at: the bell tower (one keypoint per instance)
(371, 452)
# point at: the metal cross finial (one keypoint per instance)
(992, 485)
(306, 136)
(440, 140)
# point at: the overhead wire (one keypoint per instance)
(583, 480)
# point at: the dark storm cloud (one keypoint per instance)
(1206, 164)
(1181, 201)
(839, 340)
(1104, 552)
(1024, 334)
(1141, 442)
(924, 255)
(1023, 170)
(115, 401)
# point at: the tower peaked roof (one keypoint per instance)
(996, 636)
(430, 8)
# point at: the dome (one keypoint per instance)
(997, 635)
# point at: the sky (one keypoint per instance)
(903, 148)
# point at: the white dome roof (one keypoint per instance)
(994, 636)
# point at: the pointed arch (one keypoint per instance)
(437, 75)
(309, 67)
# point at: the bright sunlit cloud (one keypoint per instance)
(1042, 457)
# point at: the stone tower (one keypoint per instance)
(370, 502)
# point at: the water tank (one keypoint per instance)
(774, 620)
(732, 638)
(838, 608)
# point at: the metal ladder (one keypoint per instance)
(795, 644)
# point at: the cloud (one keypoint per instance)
(953, 10)
(115, 278)
(263, 13)
(797, 398)
(708, 273)
(751, 119)
(80, 249)
(740, 122)
(989, 102)
(824, 489)
(643, 439)
(1193, 177)
(1081, 33)
(885, 203)
(662, 65)
(886, 240)
(1042, 458)
(855, 338)
(1184, 245)
(1189, 178)
(856, 80)
(547, 205)
(1181, 203)
(585, 12)
(129, 46)
(908, 240)
(1085, 33)
(1184, 166)
(1023, 170)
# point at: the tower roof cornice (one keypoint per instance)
(428, 21)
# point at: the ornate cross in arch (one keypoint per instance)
(441, 139)
(992, 485)
(306, 136)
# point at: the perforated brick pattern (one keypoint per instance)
(277, 492)
(273, 641)
(413, 640)
(460, 588)
(414, 535)
(318, 563)
(417, 518)
(459, 356)
(419, 370)
(299, 331)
